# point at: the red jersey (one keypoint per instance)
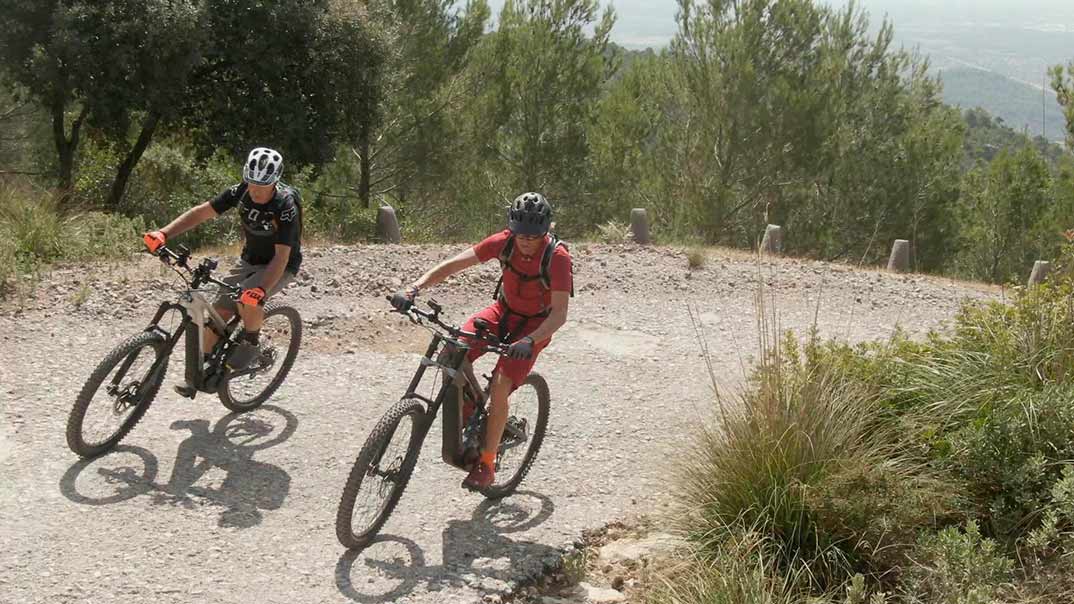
(528, 297)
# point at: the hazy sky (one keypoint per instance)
(652, 22)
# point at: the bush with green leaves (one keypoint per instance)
(802, 458)
(35, 232)
(169, 180)
(867, 459)
(957, 566)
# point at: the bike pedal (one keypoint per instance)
(188, 391)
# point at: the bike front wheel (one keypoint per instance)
(380, 474)
(117, 394)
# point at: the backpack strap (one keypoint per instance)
(546, 263)
(505, 263)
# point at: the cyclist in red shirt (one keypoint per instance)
(531, 304)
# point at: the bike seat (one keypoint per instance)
(482, 324)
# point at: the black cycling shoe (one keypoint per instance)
(243, 354)
(186, 390)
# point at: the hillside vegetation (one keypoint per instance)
(759, 112)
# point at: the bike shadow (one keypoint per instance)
(476, 554)
(247, 488)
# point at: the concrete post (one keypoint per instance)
(899, 261)
(639, 226)
(1041, 270)
(388, 225)
(772, 243)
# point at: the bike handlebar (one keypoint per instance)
(492, 343)
(200, 274)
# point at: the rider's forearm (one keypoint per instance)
(188, 220)
(557, 319)
(275, 268)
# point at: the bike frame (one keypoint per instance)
(448, 353)
(197, 312)
(449, 356)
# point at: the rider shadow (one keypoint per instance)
(248, 487)
(476, 554)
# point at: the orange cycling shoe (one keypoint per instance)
(481, 477)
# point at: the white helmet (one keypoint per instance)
(263, 167)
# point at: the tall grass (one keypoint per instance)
(35, 232)
(937, 471)
(743, 570)
(800, 457)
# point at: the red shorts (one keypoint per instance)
(515, 370)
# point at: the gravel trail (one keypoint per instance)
(201, 506)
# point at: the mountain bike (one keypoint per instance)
(121, 388)
(387, 459)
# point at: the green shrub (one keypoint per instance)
(168, 181)
(695, 258)
(1010, 457)
(802, 458)
(95, 170)
(958, 567)
(35, 232)
(1056, 531)
(338, 219)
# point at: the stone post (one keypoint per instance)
(639, 226)
(1041, 270)
(772, 243)
(388, 225)
(899, 261)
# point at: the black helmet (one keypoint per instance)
(530, 214)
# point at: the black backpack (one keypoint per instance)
(546, 262)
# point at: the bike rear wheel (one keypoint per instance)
(380, 474)
(522, 436)
(101, 418)
(281, 335)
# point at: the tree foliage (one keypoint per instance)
(760, 111)
(290, 73)
(1004, 214)
(415, 145)
(1063, 84)
(541, 75)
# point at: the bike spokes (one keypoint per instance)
(383, 476)
(115, 403)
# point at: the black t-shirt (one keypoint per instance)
(279, 221)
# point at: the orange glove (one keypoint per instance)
(252, 297)
(154, 240)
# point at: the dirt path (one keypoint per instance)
(200, 506)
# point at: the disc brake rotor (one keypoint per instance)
(126, 398)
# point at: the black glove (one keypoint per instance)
(402, 301)
(522, 349)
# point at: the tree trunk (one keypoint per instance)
(123, 173)
(65, 146)
(364, 177)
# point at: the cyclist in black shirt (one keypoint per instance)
(271, 214)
